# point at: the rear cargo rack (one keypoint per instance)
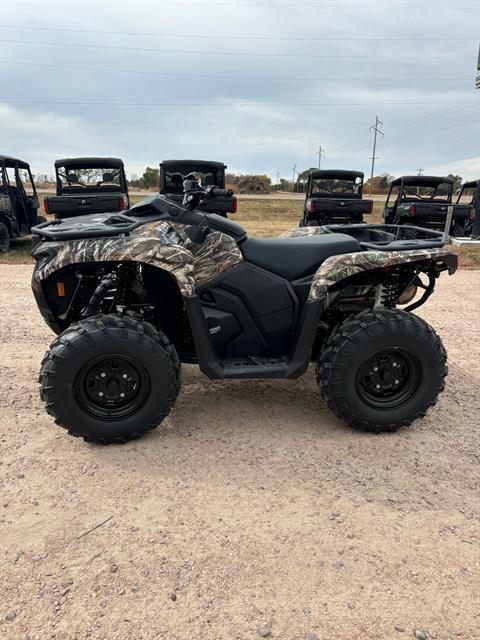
(390, 237)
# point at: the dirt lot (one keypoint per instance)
(251, 505)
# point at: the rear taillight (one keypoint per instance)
(121, 204)
(310, 206)
(471, 213)
(45, 206)
(413, 210)
(234, 204)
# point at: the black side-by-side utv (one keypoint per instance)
(423, 201)
(335, 196)
(88, 185)
(468, 208)
(18, 201)
(209, 174)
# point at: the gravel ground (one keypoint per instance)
(251, 511)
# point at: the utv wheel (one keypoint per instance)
(41, 219)
(382, 370)
(110, 379)
(4, 238)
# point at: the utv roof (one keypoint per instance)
(336, 173)
(470, 185)
(201, 163)
(421, 181)
(86, 163)
(9, 161)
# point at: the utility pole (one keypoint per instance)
(293, 177)
(376, 129)
(277, 175)
(320, 155)
(419, 173)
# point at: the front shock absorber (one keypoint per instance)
(126, 277)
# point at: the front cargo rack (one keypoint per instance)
(91, 226)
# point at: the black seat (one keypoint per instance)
(293, 258)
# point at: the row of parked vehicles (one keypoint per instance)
(99, 185)
(92, 185)
(336, 197)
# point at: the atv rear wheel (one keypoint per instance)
(381, 370)
(110, 378)
(4, 238)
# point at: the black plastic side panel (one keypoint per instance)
(264, 304)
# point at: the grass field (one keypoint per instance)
(264, 218)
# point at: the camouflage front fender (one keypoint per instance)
(336, 268)
(189, 263)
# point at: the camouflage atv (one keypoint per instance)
(132, 296)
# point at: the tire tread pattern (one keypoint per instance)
(334, 356)
(129, 328)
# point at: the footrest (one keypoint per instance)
(254, 367)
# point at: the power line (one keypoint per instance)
(230, 105)
(217, 123)
(277, 4)
(229, 76)
(233, 53)
(229, 37)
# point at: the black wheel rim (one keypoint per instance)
(112, 387)
(388, 378)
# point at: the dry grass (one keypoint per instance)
(263, 218)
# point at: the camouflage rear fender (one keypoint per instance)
(337, 268)
(190, 264)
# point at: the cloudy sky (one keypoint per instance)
(257, 84)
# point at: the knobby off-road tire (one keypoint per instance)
(110, 378)
(381, 370)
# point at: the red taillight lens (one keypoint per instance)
(234, 204)
(121, 204)
(413, 210)
(310, 206)
(45, 206)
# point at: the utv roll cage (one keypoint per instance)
(336, 174)
(75, 186)
(187, 166)
(18, 209)
(472, 184)
(418, 182)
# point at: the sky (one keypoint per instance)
(260, 85)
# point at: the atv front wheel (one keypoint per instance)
(381, 370)
(110, 378)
